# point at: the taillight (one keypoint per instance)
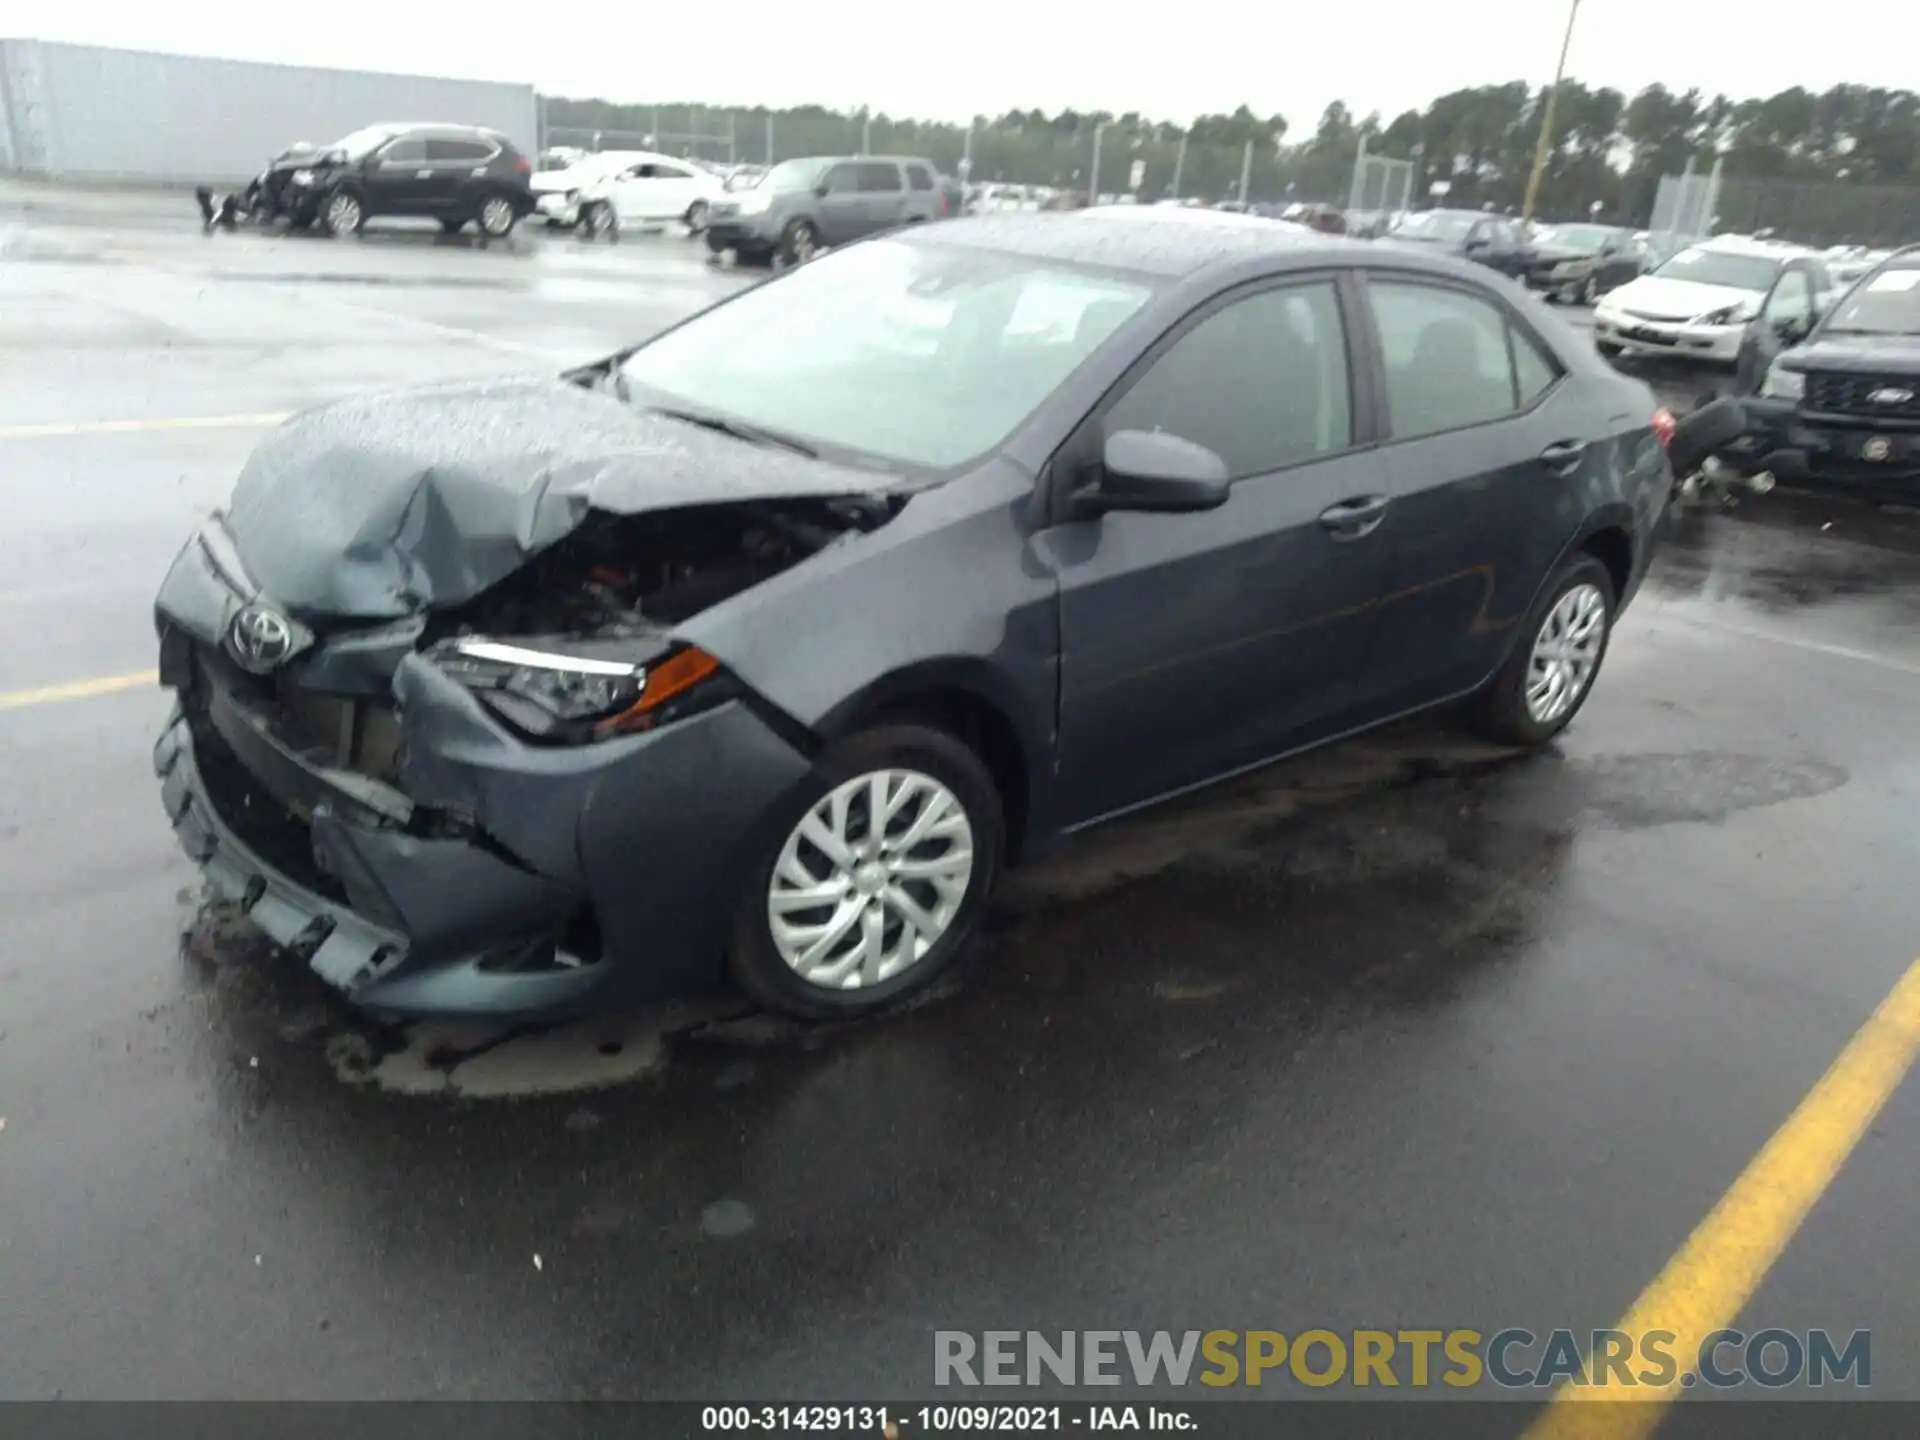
(1663, 427)
(522, 165)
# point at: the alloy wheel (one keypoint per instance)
(871, 879)
(496, 216)
(805, 245)
(343, 214)
(1566, 653)
(697, 216)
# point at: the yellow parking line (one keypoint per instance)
(121, 427)
(76, 690)
(1710, 1280)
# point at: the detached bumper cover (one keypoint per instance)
(344, 950)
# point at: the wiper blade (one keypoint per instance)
(739, 430)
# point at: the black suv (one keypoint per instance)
(1834, 398)
(449, 173)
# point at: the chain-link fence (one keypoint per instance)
(666, 130)
(1822, 212)
(1381, 186)
(1685, 206)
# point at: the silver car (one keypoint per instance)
(801, 207)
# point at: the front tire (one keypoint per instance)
(799, 243)
(597, 218)
(842, 916)
(343, 213)
(696, 217)
(1590, 292)
(1551, 671)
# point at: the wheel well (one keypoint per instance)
(979, 725)
(1614, 550)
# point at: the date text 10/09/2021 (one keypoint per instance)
(896, 1422)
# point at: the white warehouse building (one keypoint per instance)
(85, 112)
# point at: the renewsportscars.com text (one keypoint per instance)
(1414, 1359)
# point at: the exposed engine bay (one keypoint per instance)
(635, 575)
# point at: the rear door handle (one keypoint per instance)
(1564, 456)
(1351, 519)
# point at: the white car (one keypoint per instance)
(1695, 306)
(628, 187)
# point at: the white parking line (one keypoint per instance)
(65, 428)
(1798, 642)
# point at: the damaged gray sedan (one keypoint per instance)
(759, 650)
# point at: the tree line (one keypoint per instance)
(1608, 148)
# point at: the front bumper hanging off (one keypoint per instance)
(430, 895)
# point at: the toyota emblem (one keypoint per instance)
(1878, 448)
(1891, 395)
(260, 638)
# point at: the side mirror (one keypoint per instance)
(1477, 244)
(1149, 470)
(823, 189)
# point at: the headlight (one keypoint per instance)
(754, 202)
(1783, 384)
(1728, 314)
(303, 177)
(573, 697)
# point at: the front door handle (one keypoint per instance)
(1351, 519)
(1564, 456)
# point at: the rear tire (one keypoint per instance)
(497, 217)
(1565, 635)
(696, 217)
(871, 955)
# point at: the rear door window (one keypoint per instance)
(919, 177)
(453, 151)
(879, 176)
(1449, 358)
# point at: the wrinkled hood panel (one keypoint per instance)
(377, 507)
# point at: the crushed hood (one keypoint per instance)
(378, 507)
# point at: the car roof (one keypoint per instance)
(1747, 245)
(1170, 242)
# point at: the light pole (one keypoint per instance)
(1093, 178)
(1546, 121)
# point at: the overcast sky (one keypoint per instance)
(987, 56)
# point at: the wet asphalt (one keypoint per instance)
(1408, 1033)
